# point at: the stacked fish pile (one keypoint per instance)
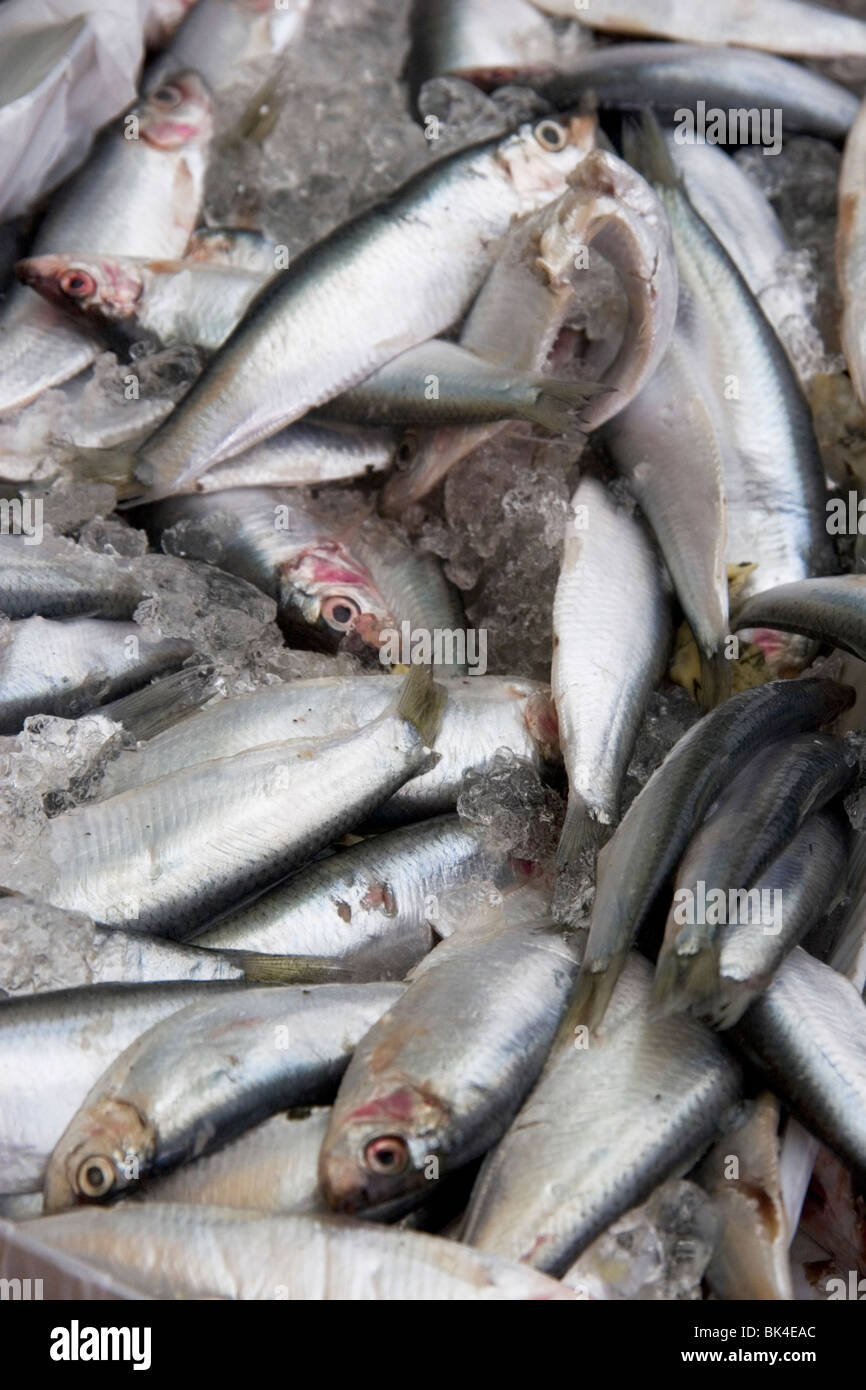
(431, 780)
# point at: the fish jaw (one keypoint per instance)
(402, 1127)
(328, 594)
(103, 1152)
(178, 114)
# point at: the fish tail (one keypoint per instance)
(157, 706)
(290, 970)
(684, 984)
(583, 835)
(713, 685)
(643, 145)
(558, 406)
(422, 703)
(594, 991)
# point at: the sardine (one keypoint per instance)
(438, 1079)
(774, 480)
(58, 579)
(777, 26)
(831, 610)
(419, 260)
(135, 196)
(482, 714)
(807, 1033)
(372, 908)
(168, 1250)
(756, 818)
(247, 822)
(611, 638)
(609, 1119)
(659, 823)
(304, 455)
(807, 877)
(271, 1167)
(54, 1047)
(68, 668)
(221, 37)
(671, 77)
(483, 41)
(223, 1066)
(741, 1172)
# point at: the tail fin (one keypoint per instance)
(290, 970)
(422, 703)
(713, 685)
(595, 988)
(684, 984)
(583, 835)
(643, 145)
(157, 706)
(559, 404)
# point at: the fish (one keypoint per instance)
(774, 481)
(672, 77)
(850, 234)
(247, 821)
(374, 907)
(271, 538)
(611, 638)
(134, 196)
(221, 37)
(55, 578)
(437, 1080)
(483, 41)
(271, 1167)
(71, 666)
(651, 837)
(240, 247)
(808, 875)
(742, 1174)
(171, 1250)
(162, 20)
(807, 1034)
(180, 1091)
(482, 714)
(608, 1120)
(526, 300)
(129, 299)
(420, 259)
(304, 455)
(776, 26)
(55, 1046)
(756, 817)
(830, 609)
(43, 948)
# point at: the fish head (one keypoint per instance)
(95, 286)
(177, 114)
(104, 1151)
(542, 725)
(326, 594)
(538, 158)
(381, 1151)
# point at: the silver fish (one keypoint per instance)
(420, 259)
(611, 638)
(609, 1119)
(438, 1079)
(778, 26)
(248, 821)
(660, 821)
(482, 714)
(374, 907)
(304, 455)
(135, 196)
(220, 37)
(58, 579)
(756, 818)
(67, 668)
(671, 77)
(240, 247)
(168, 1250)
(808, 1035)
(271, 1167)
(54, 1047)
(219, 1068)
(483, 41)
(831, 610)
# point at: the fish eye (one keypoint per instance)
(550, 135)
(340, 612)
(95, 1176)
(407, 449)
(77, 283)
(387, 1154)
(167, 96)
